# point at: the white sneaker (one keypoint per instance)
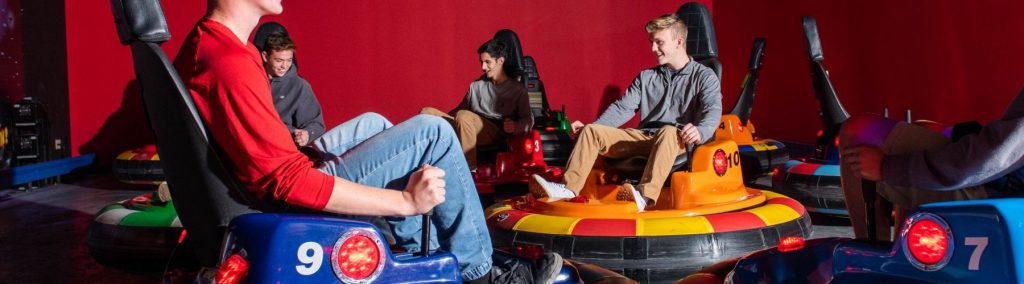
(554, 191)
(641, 201)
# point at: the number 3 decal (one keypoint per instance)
(311, 255)
(980, 243)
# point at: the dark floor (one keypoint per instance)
(42, 233)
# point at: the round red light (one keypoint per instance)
(358, 257)
(528, 146)
(720, 162)
(820, 132)
(791, 244)
(927, 241)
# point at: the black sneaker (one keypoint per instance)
(511, 272)
(546, 269)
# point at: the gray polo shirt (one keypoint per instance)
(691, 94)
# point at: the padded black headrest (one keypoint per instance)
(813, 42)
(700, 35)
(515, 50)
(260, 38)
(140, 20)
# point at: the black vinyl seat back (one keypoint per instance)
(259, 39)
(535, 89)
(514, 59)
(745, 102)
(206, 195)
(526, 72)
(832, 112)
(700, 35)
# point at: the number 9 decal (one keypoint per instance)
(311, 255)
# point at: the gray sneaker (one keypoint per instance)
(546, 269)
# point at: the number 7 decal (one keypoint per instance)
(980, 243)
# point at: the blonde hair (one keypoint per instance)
(667, 21)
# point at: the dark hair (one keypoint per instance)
(278, 41)
(498, 49)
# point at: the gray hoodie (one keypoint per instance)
(296, 103)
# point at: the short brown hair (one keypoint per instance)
(667, 21)
(278, 41)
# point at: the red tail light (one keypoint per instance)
(357, 256)
(775, 172)
(836, 142)
(233, 270)
(528, 146)
(927, 242)
(531, 252)
(720, 162)
(821, 132)
(791, 244)
(549, 128)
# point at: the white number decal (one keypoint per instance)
(311, 255)
(981, 243)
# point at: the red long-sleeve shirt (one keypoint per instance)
(226, 79)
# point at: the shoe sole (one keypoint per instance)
(535, 188)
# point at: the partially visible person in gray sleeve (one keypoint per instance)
(914, 165)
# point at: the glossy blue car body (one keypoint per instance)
(292, 248)
(987, 247)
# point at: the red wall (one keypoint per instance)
(391, 57)
(946, 60)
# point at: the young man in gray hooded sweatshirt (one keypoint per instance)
(293, 97)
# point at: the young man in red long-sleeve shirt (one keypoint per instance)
(404, 170)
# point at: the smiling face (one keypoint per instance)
(277, 63)
(492, 67)
(668, 40)
(667, 45)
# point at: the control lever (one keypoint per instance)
(425, 240)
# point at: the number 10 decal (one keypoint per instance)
(980, 243)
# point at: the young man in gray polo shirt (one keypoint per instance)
(680, 103)
(495, 105)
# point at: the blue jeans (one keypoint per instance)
(368, 150)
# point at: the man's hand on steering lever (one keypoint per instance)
(425, 189)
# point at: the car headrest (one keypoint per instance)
(140, 20)
(260, 38)
(813, 43)
(700, 35)
(757, 54)
(515, 49)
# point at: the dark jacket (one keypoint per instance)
(296, 103)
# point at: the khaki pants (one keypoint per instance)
(599, 140)
(471, 129)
